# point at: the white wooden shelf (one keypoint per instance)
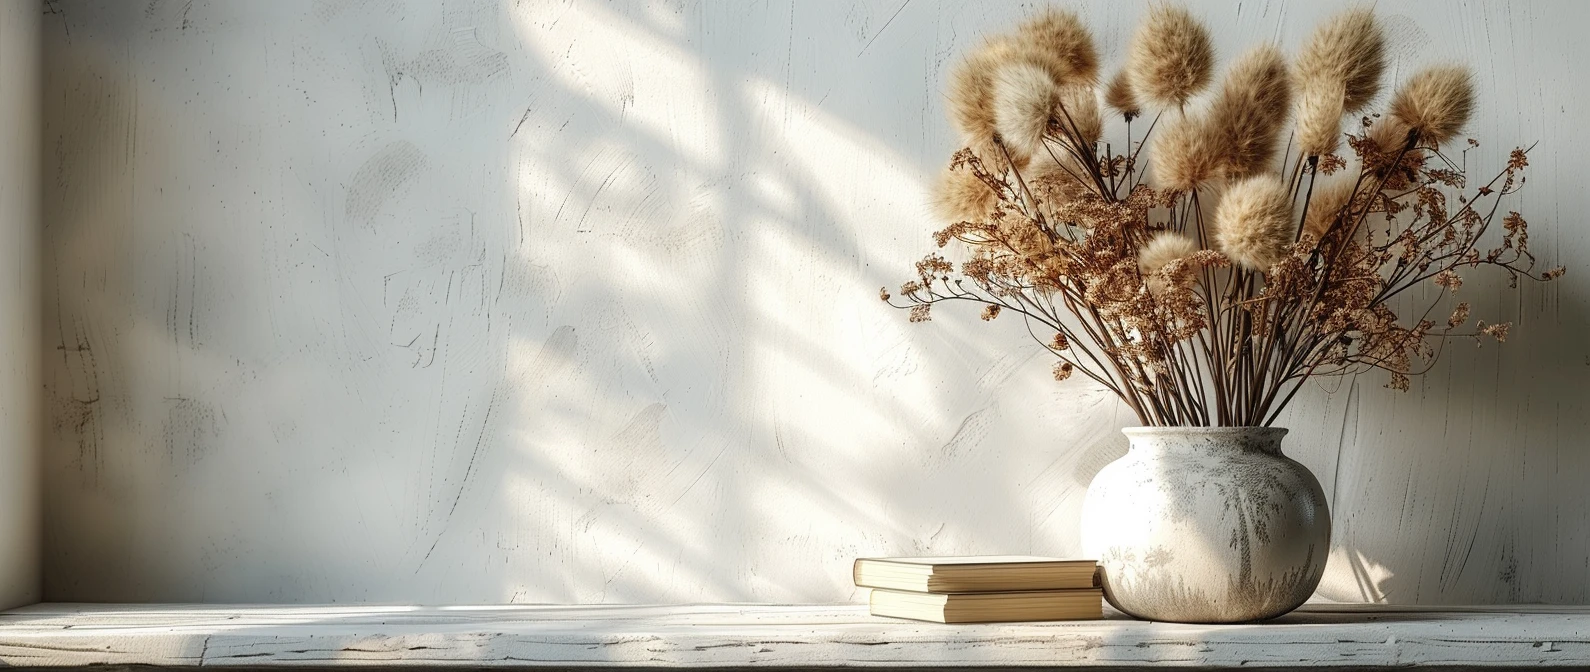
(56, 635)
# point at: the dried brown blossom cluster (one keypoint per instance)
(1206, 288)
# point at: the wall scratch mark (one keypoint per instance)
(885, 26)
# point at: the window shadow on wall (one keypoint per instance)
(535, 303)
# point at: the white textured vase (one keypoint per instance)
(1206, 525)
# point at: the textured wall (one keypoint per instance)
(488, 301)
(19, 305)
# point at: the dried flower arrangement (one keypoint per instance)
(1208, 298)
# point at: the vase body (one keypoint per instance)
(1206, 525)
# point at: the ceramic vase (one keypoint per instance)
(1206, 525)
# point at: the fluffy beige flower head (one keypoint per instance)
(1164, 248)
(1248, 114)
(1319, 119)
(1059, 34)
(1348, 51)
(972, 96)
(1328, 206)
(1437, 102)
(1171, 56)
(1337, 73)
(960, 196)
(1253, 223)
(1026, 98)
(1120, 96)
(1185, 153)
(1079, 117)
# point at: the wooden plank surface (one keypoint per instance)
(53, 635)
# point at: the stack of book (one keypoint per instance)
(981, 589)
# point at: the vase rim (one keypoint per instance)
(1261, 439)
(1183, 431)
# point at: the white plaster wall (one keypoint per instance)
(486, 301)
(20, 432)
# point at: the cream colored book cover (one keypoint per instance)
(971, 574)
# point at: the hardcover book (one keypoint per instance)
(974, 574)
(1047, 605)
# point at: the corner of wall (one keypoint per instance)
(21, 475)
